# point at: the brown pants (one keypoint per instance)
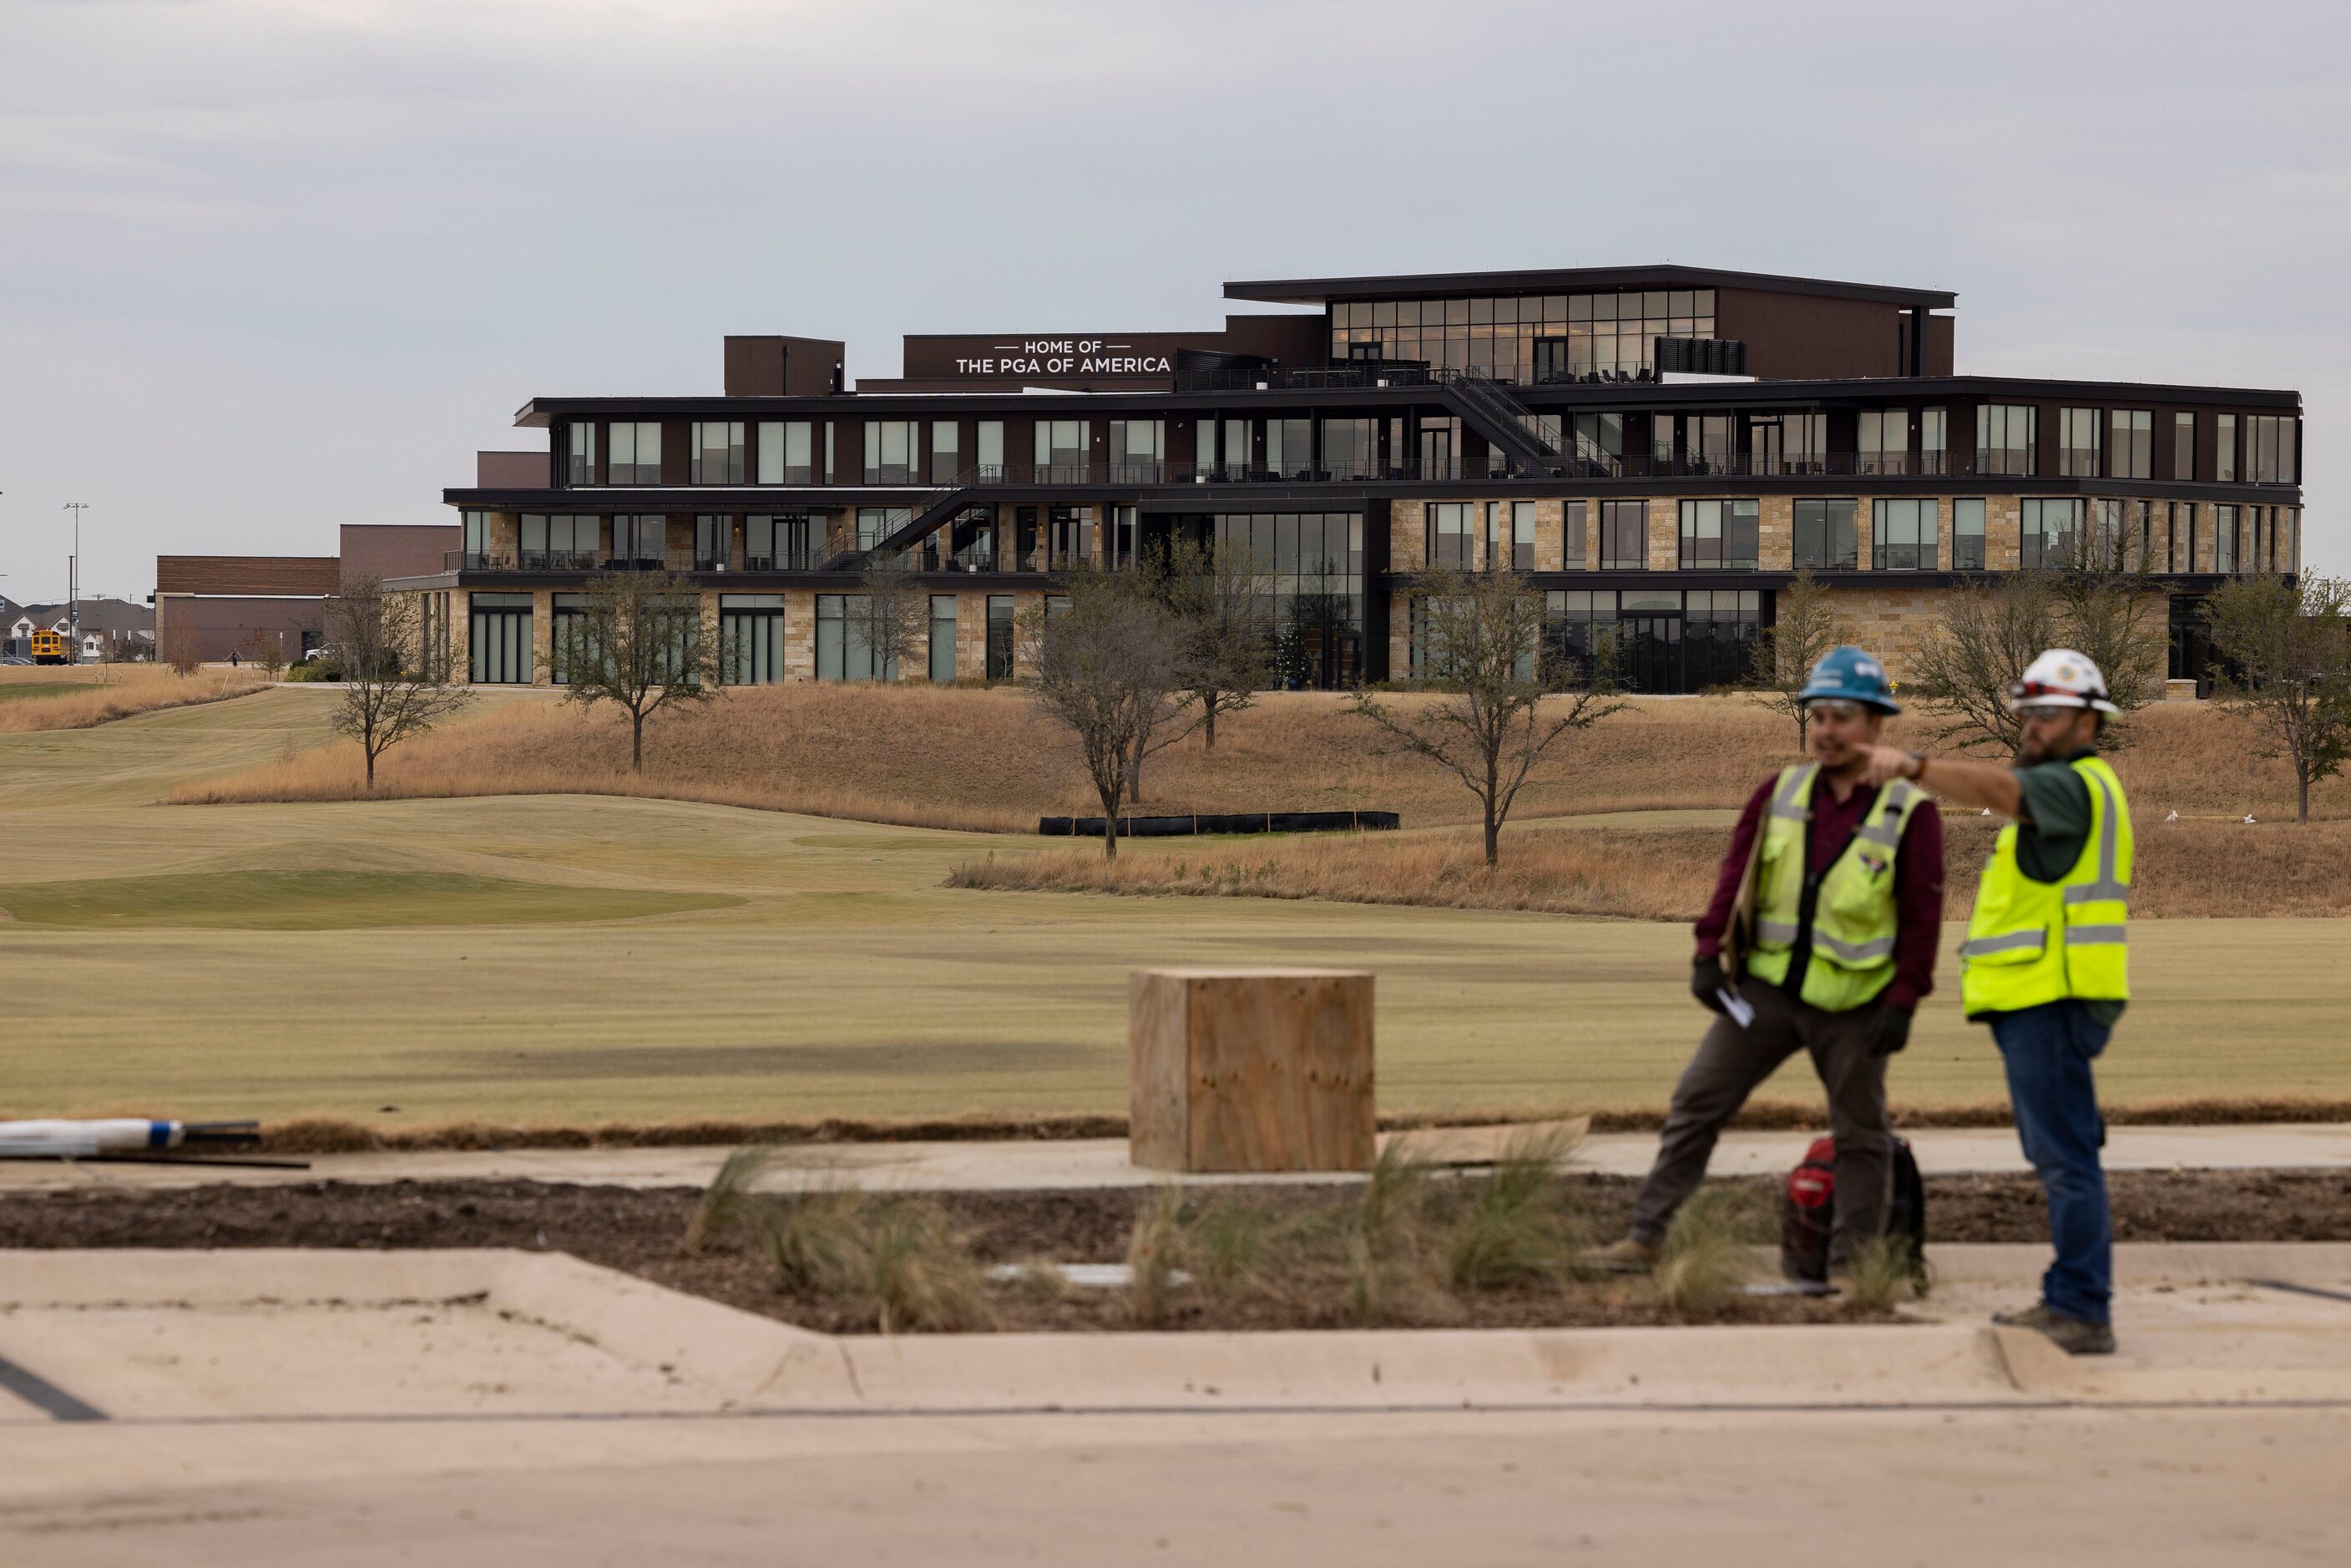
(1730, 1062)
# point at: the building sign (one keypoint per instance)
(1064, 357)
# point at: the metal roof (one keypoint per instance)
(1573, 279)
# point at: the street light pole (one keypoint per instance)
(73, 582)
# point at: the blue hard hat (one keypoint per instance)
(1849, 675)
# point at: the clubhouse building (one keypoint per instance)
(1661, 448)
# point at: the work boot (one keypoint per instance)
(2074, 1336)
(1630, 1256)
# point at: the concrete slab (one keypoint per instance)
(1617, 1446)
(1022, 1165)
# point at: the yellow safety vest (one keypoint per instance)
(1854, 920)
(2029, 942)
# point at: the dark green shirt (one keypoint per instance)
(2050, 833)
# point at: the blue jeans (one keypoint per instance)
(2048, 1051)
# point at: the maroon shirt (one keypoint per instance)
(1918, 879)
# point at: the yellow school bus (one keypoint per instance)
(50, 648)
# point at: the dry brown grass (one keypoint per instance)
(125, 691)
(2184, 869)
(988, 760)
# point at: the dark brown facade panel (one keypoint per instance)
(247, 574)
(511, 470)
(1942, 348)
(1797, 337)
(775, 366)
(398, 550)
(219, 627)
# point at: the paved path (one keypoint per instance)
(508, 1408)
(1102, 1161)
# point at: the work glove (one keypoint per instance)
(1706, 980)
(1889, 1029)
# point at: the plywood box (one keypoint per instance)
(1251, 1070)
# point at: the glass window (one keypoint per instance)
(715, 452)
(1522, 535)
(1350, 449)
(2007, 440)
(583, 454)
(478, 539)
(750, 639)
(501, 639)
(945, 466)
(2132, 451)
(639, 541)
(1447, 543)
(785, 452)
(1825, 536)
(1572, 534)
(2050, 529)
(1718, 535)
(1624, 535)
(1903, 534)
(1137, 448)
(991, 454)
(2080, 439)
(844, 639)
(2224, 536)
(2183, 446)
(2224, 449)
(999, 637)
(635, 451)
(875, 523)
(1934, 439)
(1062, 455)
(1968, 534)
(2270, 449)
(1884, 440)
(942, 638)
(890, 446)
(777, 543)
(1290, 448)
(714, 543)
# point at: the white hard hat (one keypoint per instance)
(2061, 678)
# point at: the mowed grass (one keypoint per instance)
(987, 760)
(18, 691)
(2188, 868)
(303, 900)
(846, 981)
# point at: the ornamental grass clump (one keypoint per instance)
(1521, 1229)
(727, 1202)
(1883, 1275)
(1706, 1259)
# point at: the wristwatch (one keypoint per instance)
(1918, 767)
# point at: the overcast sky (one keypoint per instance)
(271, 265)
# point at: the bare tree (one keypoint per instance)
(1979, 643)
(2108, 606)
(1805, 627)
(1481, 644)
(395, 684)
(2094, 596)
(180, 648)
(2287, 649)
(900, 611)
(1223, 608)
(639, 641)
(267, 650)
(1106, 670)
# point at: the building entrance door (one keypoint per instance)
(1650, 653)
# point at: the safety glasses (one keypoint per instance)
(1836, 707)
(2029, 712)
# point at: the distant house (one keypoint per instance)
(113, 629)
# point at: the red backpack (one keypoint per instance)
(1808, 1210)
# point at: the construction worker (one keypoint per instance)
(1824, 921)
(2045, 962)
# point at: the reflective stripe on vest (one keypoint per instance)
(1854, 920)
(2032, 943)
